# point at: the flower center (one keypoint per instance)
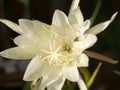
(57, 56)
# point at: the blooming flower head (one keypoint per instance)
(56, 50)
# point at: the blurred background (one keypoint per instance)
(12, 71)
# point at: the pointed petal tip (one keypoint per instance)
(59, 19)
(101, 26)
(115, 61)
(15, 27)
(114, 16)
(22, 20)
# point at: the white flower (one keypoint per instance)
(55, 50)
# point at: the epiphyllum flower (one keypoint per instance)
(55, 50)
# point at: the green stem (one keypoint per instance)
(91, 80)
(96, 11)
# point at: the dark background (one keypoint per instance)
(108, 41)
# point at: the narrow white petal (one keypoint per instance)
(83, 60)
(59, 19)
(76, 17)
(101, 26)
(15, 27)
(71, 73)
(17, 53)
(57, 85)
(34, 69)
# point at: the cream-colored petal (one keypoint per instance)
(83, 61)
(17, 53)
(53, 73)
(27, 25)
(47, 80)
(57, 85)
(59, 19)
(85, 26)
(23, 40)
(76, 17)
(50, 69)
(34, 69)
(40, 25)
(101, 26)
(15, 27)
(88, 41)
(38, 68)
(71, 73)
(33, 27)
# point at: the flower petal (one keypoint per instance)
(17, 53)
(53, 73)
(85, 26)
(71, 73)
(47, 80)
(26, 25)
(101, 26)
(34, 69)
(83, 61)
(38, 68)
(12, 25)
(76, 17)
(57, 85)
(60, 19)
(87, 41)
(23, 40)
(33, 27)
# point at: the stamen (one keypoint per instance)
(53, 55)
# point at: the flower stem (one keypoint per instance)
(90, 82)
(96, 11)
(74, 5)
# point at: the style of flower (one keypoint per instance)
(56, 50)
